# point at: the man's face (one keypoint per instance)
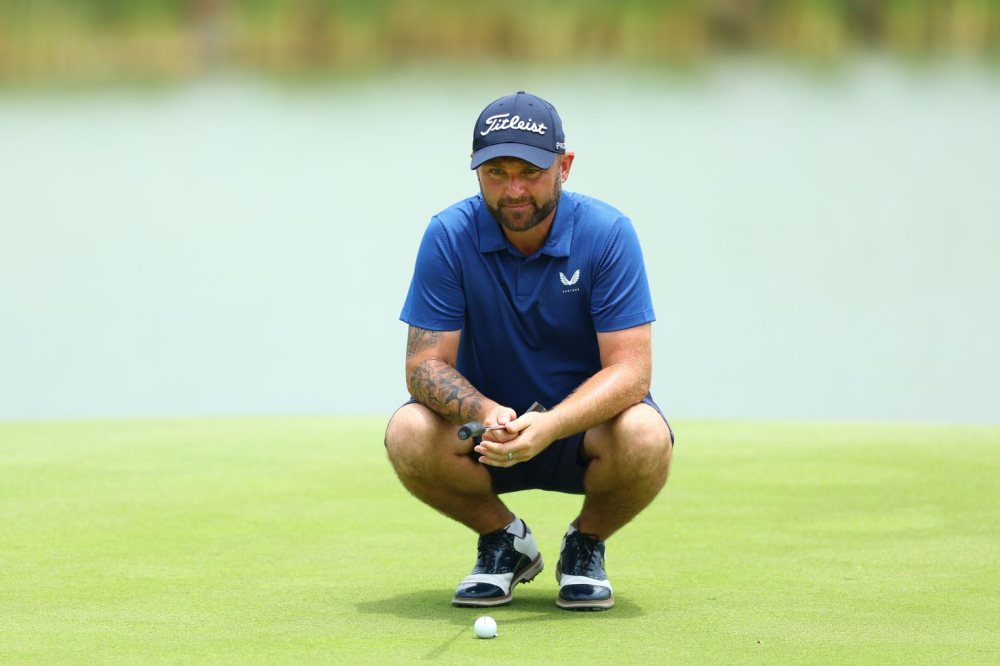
(518, 194)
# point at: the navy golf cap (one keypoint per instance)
(519, 125)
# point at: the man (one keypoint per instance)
(527, 293)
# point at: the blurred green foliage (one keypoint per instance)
(88, 39)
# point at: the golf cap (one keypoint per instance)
(519, 125)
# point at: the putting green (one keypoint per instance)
(290, 541)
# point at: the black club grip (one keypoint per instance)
(472, 429)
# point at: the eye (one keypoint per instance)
(495, 171)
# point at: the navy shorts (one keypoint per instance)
(559, 468)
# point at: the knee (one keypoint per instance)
(408, 437)
(641, 436)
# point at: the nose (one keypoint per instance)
(515, 188)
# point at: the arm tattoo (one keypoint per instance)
(419, 339)
(441, 387)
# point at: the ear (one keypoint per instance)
(566, 164)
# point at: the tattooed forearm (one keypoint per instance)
(434, 381)
(419, 339)
(443, 389)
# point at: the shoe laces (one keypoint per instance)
(583, 548)
(490, 543)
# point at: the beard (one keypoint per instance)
(528, 218)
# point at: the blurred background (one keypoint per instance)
(212, 207)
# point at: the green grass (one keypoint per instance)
(290, 541)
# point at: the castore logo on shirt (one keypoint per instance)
(569, 282)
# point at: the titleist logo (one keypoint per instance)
(504, 121)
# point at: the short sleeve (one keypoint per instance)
(436, 300)
(621, 298)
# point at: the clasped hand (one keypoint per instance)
(521, 440)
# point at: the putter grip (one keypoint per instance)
(473, 429)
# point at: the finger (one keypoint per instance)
(498, 454)
(520, 424)
(502, 436)
(505, 415)
(492, 450)
(498, 436)
(496, 463)
(493, 462)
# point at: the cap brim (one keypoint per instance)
(540, 157)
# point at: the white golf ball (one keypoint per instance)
(486, 627)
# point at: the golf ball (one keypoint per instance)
(486, 627)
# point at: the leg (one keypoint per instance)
(629, 462)
(432, 463)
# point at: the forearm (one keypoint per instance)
(602, 397)
(441, 387)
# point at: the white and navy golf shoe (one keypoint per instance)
(507, 557)
(583, 585)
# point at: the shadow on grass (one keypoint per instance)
(436, 605)
(527, 607)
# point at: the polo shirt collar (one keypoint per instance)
(491, 238)
(561, 235)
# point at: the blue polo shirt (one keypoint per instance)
(529, 324)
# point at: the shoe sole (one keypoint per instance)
(525, 575)
(603, 604)
(595, 605)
